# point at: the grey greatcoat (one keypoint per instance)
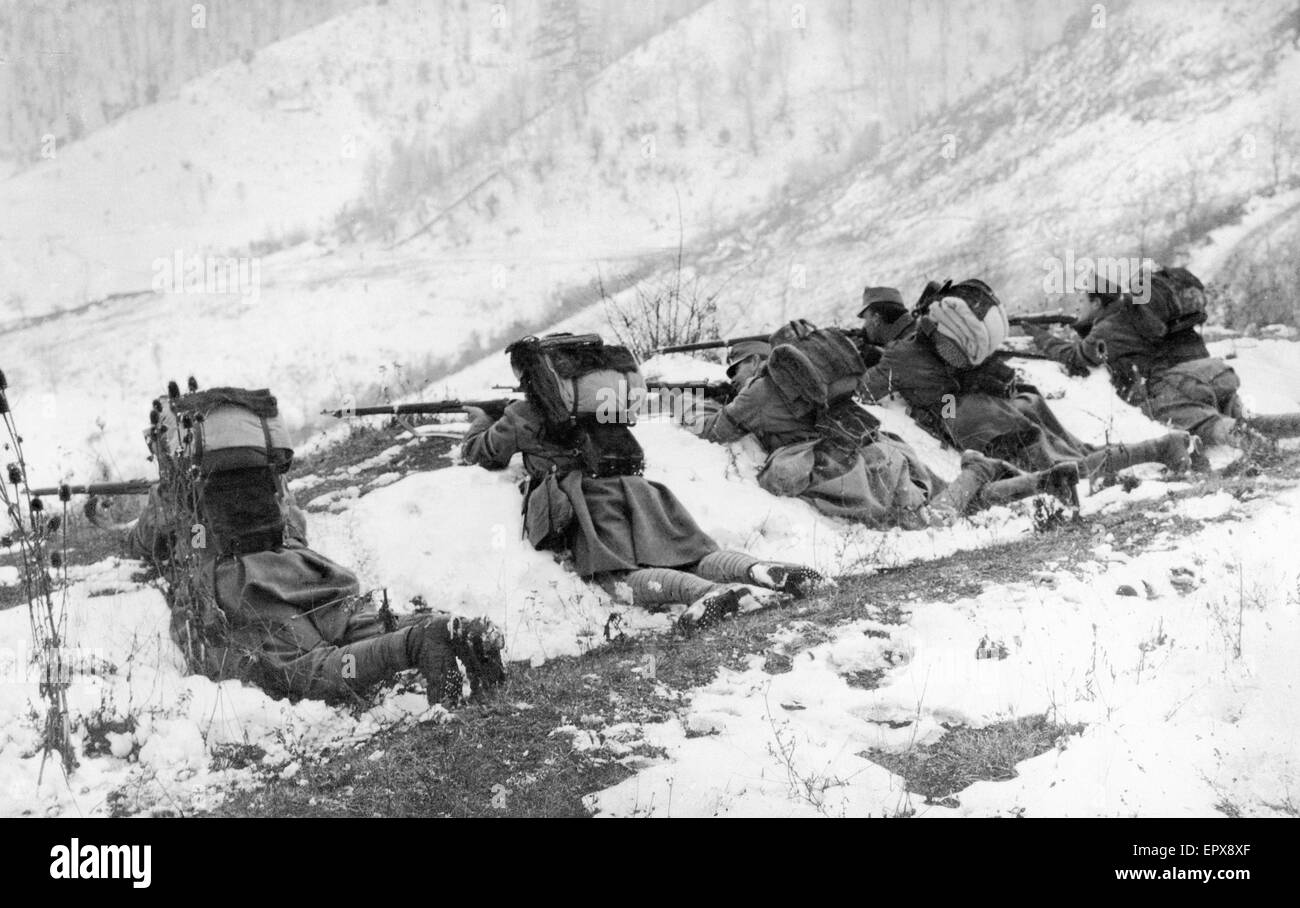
(883, 483)
(619, 523)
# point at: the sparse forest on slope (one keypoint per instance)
(72, 67)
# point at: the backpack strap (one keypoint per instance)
(266, 437)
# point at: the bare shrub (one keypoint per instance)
(662, 311)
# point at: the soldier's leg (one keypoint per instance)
(956, 499)
(707, 602)
(348, 670)
(1185, 401)
(1276, 425)
(738, 567)
(1172, 450)
(1061, 481)
(664, 586)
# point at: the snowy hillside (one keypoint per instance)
(71, 67)
(1145, 132)
(153, 740)
(258, 157)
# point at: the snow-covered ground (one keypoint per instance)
(150, 738)
(1188, 692)
(452, 536)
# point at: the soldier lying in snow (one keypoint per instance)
(1159, 363)
(249, 599)
(824, 448)
(885, 320)
(958, 391)
(585, 492)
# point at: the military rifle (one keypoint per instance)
(67, 490)
(495, 407)
(1007, 353)
(720, 391)
(717, 344)
(720, 343)
(1045, 318)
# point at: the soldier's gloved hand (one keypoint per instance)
(479, 419)
(1094, 350)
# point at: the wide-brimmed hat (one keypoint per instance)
(745, 350)
(882, 298)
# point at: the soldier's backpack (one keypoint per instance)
(588, 393)
(964, 322)
(818, 369)
(814, 367)
(220, 451)
(1175, 303)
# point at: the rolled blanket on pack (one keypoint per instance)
(961, 337)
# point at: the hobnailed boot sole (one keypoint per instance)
(793, 579)
(710, 609)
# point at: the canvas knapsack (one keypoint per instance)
(220, 452)
(814, 367)
(1176, 302)
(588, 394)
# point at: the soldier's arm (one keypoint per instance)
(147, 538)
(490, 443)
(1079, 355)
(731, 422)
(719, 426)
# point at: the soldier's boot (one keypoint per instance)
(711, 608)
(737, 567)
(1276, 425)
(477, 643)
(1061, 481)
(977, 471)
(429, 648)
(1173, 450)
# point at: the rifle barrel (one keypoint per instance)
(441, 406)
(129, 487)
(702, 383)
(1045, 318)
(732, 341)
(1028, 354)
